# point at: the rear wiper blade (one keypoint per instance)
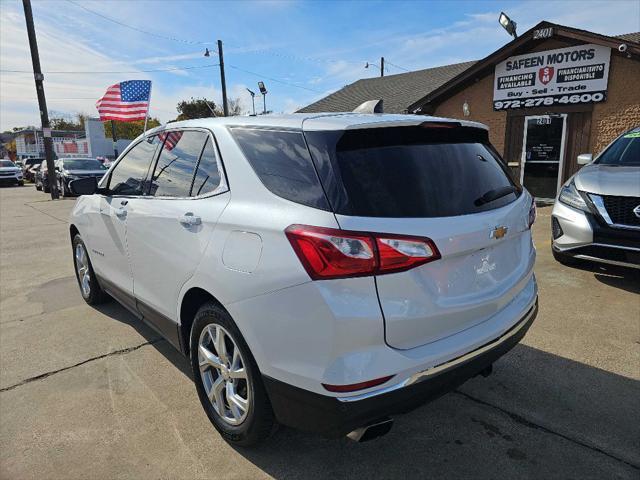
(494, 194)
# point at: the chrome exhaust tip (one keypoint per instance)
(371, 431)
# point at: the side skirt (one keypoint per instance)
(163, 325)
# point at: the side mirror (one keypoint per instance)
(584, 158)
(84, 186)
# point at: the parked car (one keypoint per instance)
(29, 166)
(41, 177)
(10, 174)
(320, 271)
(68, 169)
(597, 213)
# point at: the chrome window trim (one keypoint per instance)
(223, 187)
(436, 369)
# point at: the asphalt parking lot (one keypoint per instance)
(92, 393)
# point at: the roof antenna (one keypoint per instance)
(371, 106)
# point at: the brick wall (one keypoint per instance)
(618, 113)
(621, 110)
(479, 96)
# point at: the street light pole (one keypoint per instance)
(42, 101)
(253, 101)
(382, 66)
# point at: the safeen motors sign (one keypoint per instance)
(555, 77)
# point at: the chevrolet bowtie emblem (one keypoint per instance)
(499, 232)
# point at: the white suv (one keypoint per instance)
(320, 271)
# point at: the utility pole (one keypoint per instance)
(382, 66)
(42, 102)
(225, 105)
(115, 140)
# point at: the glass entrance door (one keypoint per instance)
(543, 154)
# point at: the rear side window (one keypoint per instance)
(176, 164)
(207, 177)
(283, 164)
(128, 176)
(411, 171)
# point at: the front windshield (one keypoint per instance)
(6, 163)
(83, 164)
(623, 152)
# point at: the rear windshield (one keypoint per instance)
(625, 151)
(411, 171)
(83, 164)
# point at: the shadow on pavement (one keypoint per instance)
(624, 278)
(116, 311)
(538, 413)
(538, 416)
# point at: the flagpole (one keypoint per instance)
(148, 108)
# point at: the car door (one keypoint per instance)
(107, 237)
(169, 229)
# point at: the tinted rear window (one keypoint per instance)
(411, 171)
(281, 160)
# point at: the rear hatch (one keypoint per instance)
(445, 182)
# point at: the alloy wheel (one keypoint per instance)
(223, 374)
(82, 267)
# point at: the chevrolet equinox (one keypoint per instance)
(320, 271)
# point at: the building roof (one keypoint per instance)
(310, 121)
(630, 37)
(397, 91)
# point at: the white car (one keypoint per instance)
(321, 271)
(10, 173)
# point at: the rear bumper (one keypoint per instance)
(333, 417)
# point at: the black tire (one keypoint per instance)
(45, 187)
(38, 187)
(96, 295)
(260, 421)
(21, 183)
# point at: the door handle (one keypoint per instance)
(190, 220)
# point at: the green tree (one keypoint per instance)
(203, 108)
(129, 130)
(196, 108)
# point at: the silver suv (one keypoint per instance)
(320, 271)
(597, 214)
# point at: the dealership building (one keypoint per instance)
(547, 96)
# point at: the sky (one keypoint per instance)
(301, 50)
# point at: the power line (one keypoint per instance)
(273, 79)
(122, 24)
(191, 67)
(397, 66)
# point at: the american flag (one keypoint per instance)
(125, 101)
(170, 139)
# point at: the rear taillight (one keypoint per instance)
(331, 253)
(532, 213)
